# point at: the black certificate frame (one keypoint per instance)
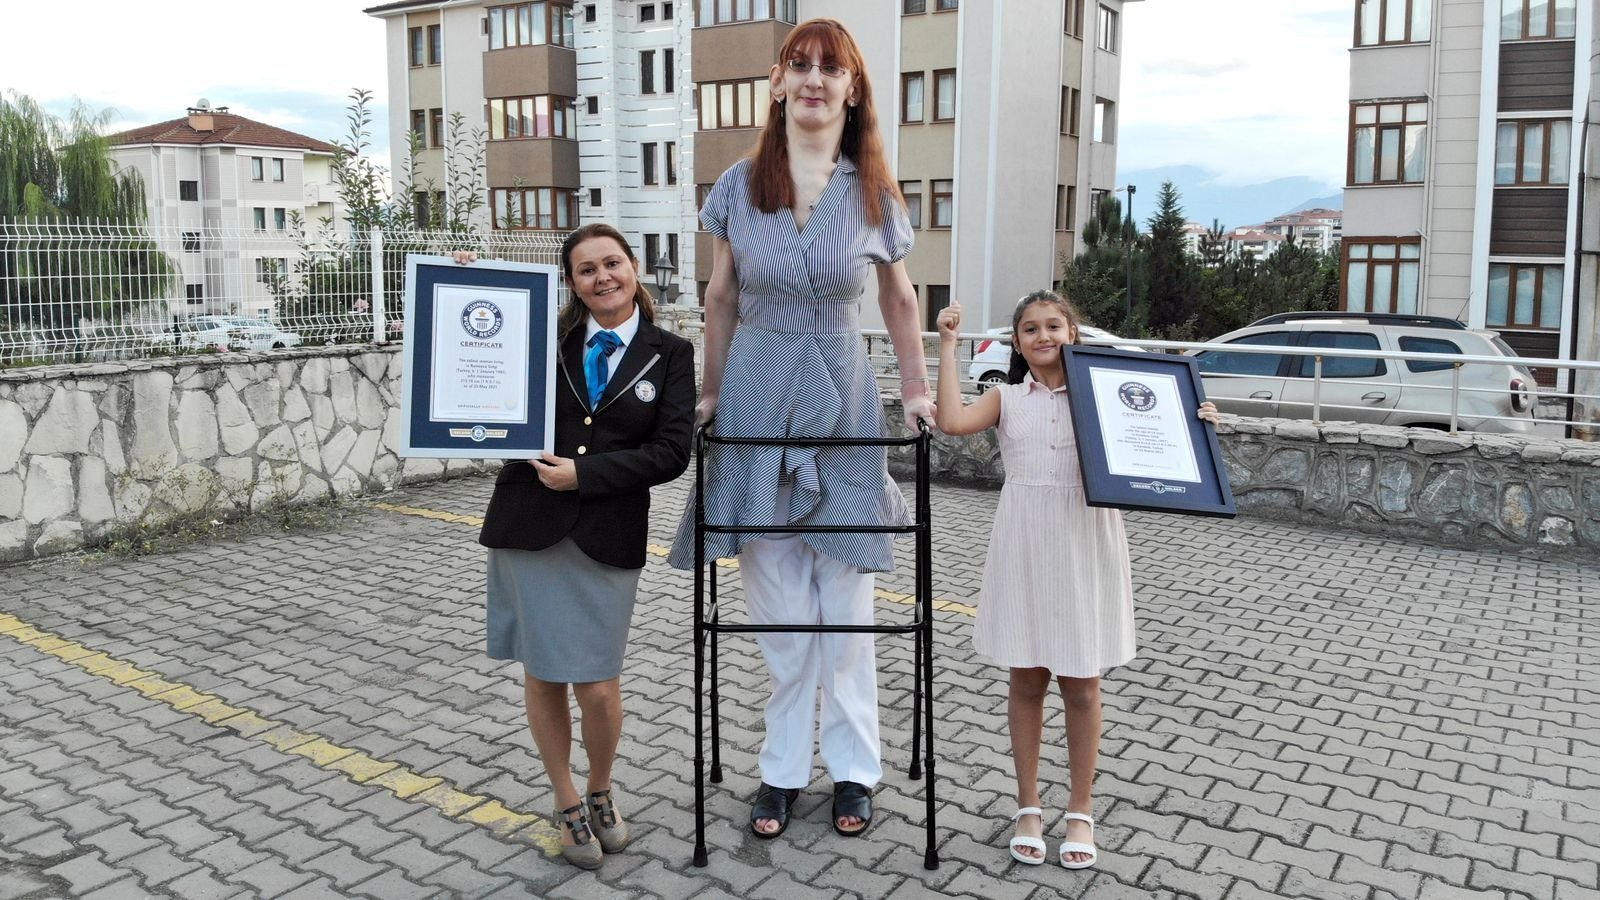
(421, 435)
(1212, 495)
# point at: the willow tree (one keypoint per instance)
(72, 253)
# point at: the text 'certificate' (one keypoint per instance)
(480, 354)
(1145, 426)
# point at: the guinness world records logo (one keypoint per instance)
(481, 319)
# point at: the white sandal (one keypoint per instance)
(1074, 846)
(1023, 840)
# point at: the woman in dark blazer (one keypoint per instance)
(567, 531)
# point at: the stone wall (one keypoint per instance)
(85, 450)
(1467, 488)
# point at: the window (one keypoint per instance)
(652, 251)
(269, 267)
(427, 207)
(1382, 277)
(258, 170)
(588, 12)
(1392, 21)
(672, 249)
(1524, 295)
(543, 116)
(1341, 366)
(944, 95)
(258, 218)
(648, 152)
(194, 293)
(647, 13)
(912, 7)
(1388, 142)
(647, 71)
(1533, 152)
(1531, 20)
(419, 126)
(944, 203)
(524, 24)
(529, 207)
(669, 159)
(734, 104)
(912, 190)
(911, 97)
(436, 127)
(1106, 36)
(666, 11)
(1069, 110)
(1410, 344)
(1069, 213)
(594, 196)
(1073, 23)
(701, 192)
(414, 43)
(191, 242)
(188, 190)
(945, 5)
(938, 299)
(593, 105)
(1105, 121)
(666, 71)
(722, 12)
(280, 219)
(1221, 362)
(435, 44)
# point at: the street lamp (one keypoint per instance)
(1129, 240)
(663, 268)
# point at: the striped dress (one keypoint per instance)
(797, 367)
(1057, 592)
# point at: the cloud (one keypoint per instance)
(1249, 89)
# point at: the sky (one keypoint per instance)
(1246, 89)
(1250, 90)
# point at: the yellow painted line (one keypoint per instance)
(939, 603)
(474, 809)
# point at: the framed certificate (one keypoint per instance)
(1140, 444)
(478, 375)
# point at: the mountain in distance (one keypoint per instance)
(1203, 197)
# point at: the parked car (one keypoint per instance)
(336, 328)
(232, 333)
(991, 358)
(1376, 391)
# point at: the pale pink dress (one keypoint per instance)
(1057, 592)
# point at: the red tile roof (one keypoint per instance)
(229, 129)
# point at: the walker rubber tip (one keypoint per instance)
(700, 858)
(716, 775)
(930, 861)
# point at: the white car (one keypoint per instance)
(233, 333)
(991, 358)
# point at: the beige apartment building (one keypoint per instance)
(1000, 117)
(1467, 167)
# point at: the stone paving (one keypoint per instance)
(1314, 714)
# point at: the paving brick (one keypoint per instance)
(84, 872)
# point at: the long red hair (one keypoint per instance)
(771, 188)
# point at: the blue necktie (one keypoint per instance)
(601, 346)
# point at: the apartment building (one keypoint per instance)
(1002, 130)
(213, 174)
(584, 111)
(1467, 167)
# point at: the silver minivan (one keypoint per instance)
(1376, 391)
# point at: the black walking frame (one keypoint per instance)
(921, 625)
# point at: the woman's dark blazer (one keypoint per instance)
(638, 437)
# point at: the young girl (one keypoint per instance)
(1057, 596)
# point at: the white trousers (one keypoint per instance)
(786, 582)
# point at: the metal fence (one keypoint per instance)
(91, 291)
(1446, 391)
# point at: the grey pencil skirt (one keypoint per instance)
(562, 615)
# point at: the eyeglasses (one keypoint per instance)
(801, 67)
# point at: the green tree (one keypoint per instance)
(1173, 284)
(57, 289)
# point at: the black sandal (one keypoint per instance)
(854, 800)
(772, 803)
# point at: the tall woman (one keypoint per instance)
(799, 225)
(567, 531)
